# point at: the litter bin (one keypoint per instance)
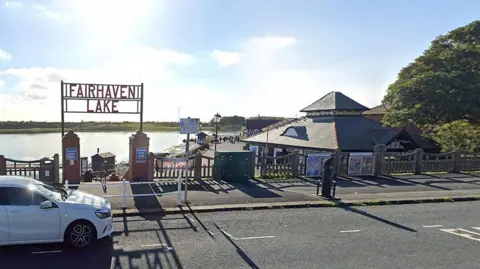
(46, 174)
(88, 176)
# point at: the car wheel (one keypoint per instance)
(81, 234)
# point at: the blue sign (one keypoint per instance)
(141, 154)
(71, 154)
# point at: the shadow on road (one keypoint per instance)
(377, 218)
(163, 238)
(240, 252)
(57, 256)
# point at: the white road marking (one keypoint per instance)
(476, 228)
(46, 252)
(255, 237)
(246, 238)
(158, 245)
(350, 231)
(432, 226)
(466, 233)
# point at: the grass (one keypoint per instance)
(104, 127)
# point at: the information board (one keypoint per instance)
(360, 163)
(141, 154)
(175, 163)
(189, 126)
(71, 154)
(315, 162)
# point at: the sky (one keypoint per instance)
(201, 57)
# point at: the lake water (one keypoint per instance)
(36, 146)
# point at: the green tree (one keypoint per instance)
(440, 86)
(459, 135)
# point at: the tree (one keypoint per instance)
(458, 135)
(440, 86)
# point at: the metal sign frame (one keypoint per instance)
(89, 95)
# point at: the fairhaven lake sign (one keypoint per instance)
(101, 98)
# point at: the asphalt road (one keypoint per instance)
(445, 235)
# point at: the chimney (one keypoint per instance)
(98, 150)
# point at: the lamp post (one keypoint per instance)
(216, 119)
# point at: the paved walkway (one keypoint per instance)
(210, 192)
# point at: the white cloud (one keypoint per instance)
(38, 88)
(2, 84)
(269, 81)
(12, 4)
(226, 58)
(5, 55)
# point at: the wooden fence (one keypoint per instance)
(45, 169)
(281, 166)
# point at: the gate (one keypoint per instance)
(165, 167)
(45, 169)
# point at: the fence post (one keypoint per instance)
(418, 161)
(66, 184)
(3, 166)
(150, 166)
(379, 159)
(337, 161)
(457, 158)
(124, 198)
(56, 168)
(295, 164)
(197, 166)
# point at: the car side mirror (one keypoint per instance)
(46, 204)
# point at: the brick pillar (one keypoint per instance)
(139, 144)
(71, 158)
(3, 166)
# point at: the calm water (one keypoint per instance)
(36, 146)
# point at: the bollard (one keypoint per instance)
(327, 178)
(179, 194)
(66, 184)
(124, 198)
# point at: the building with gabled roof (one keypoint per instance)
(335, 122)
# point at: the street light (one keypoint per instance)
(216, 119)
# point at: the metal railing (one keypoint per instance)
(124, 194)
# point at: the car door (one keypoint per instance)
(27, 221)
(4, 230)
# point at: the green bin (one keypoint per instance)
(233, 166)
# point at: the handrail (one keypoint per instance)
(124, 194)
(25, 162)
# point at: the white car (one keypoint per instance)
(32, 212)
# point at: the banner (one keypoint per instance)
(315, 162)
(174, 163)
(360, 163)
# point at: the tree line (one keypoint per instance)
(439, 91)
(234, 122)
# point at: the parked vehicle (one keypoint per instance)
(32, 212)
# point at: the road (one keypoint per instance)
(445, 235)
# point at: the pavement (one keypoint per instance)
(423, 236)
(211, 195)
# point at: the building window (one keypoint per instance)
(299, 132)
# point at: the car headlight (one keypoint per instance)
(103, 213)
